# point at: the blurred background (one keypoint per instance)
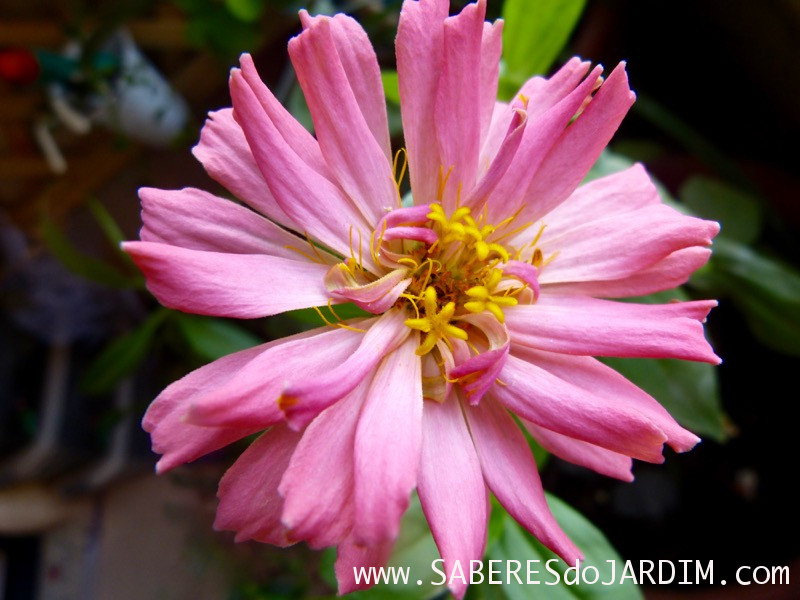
(98, 99)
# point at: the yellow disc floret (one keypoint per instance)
(436, 323)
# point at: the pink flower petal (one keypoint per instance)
(387, 446)
(226, 157)
(458, 102)
(249, 503)
(510, 472)
(420, 49)
(317, 486)
(451, 488)
(303, 193)
(355, 157)
(363, 73)
(228, 285)
(351, 557)
(578, 147)
(588, 326)
(165, 419)
(376, 297)
(303, 401)
(478, 373)
(669, 272)
(251, 395)
(542, 131)
(525, 272)
(605, 462)
(620, 245)
(491, 49)
(545, 399)
(196, 220)
(597, 378)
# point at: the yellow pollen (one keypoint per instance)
(436, 323)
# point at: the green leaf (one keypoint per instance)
(765, 290)
(122, 356)
(738, 212)
(534, 34)
(80, 263)
(248, 11)
(212, 338)
(390, 86)
(297, 105)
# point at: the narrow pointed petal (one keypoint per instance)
(303, 193)
(317, 486)
(359, 164)
(351, 557)
(251, 396)
(491, 49)
(545, 399)
(227, 158)
(597, 378)
(387, 446)
(588, 326)
(172, 436)
(249, 503)
(196, 220)
(579, 146)
(302, 401)
(605, 462)
(363, 73)
(510, 472)
(478, 373)
(245, 286)
(458, 102)
(619, 245)
(420, 52)
(666, 274)
(449, 463)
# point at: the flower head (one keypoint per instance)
(489, 293)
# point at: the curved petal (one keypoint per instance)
(491, 49)
(588, 326)
(449, 463)
(228, 285)
(196, 220)
(317, 486)
(457, 108)
(250, 397)
(351, 557)
(316, 205)
(387, 446)
(477, 374)
(226, 157)
(165, 419)
(420, 53)
(597, 378)
(363, 73)
(578, 147)
(543, 131)
(376, 297)
(666, 274)
(617, 246)
(541, 397)
(249, 503)
(510, 472)
(358, 162)
(582, 453)
(302, 401)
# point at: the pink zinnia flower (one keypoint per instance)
(488, 293)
